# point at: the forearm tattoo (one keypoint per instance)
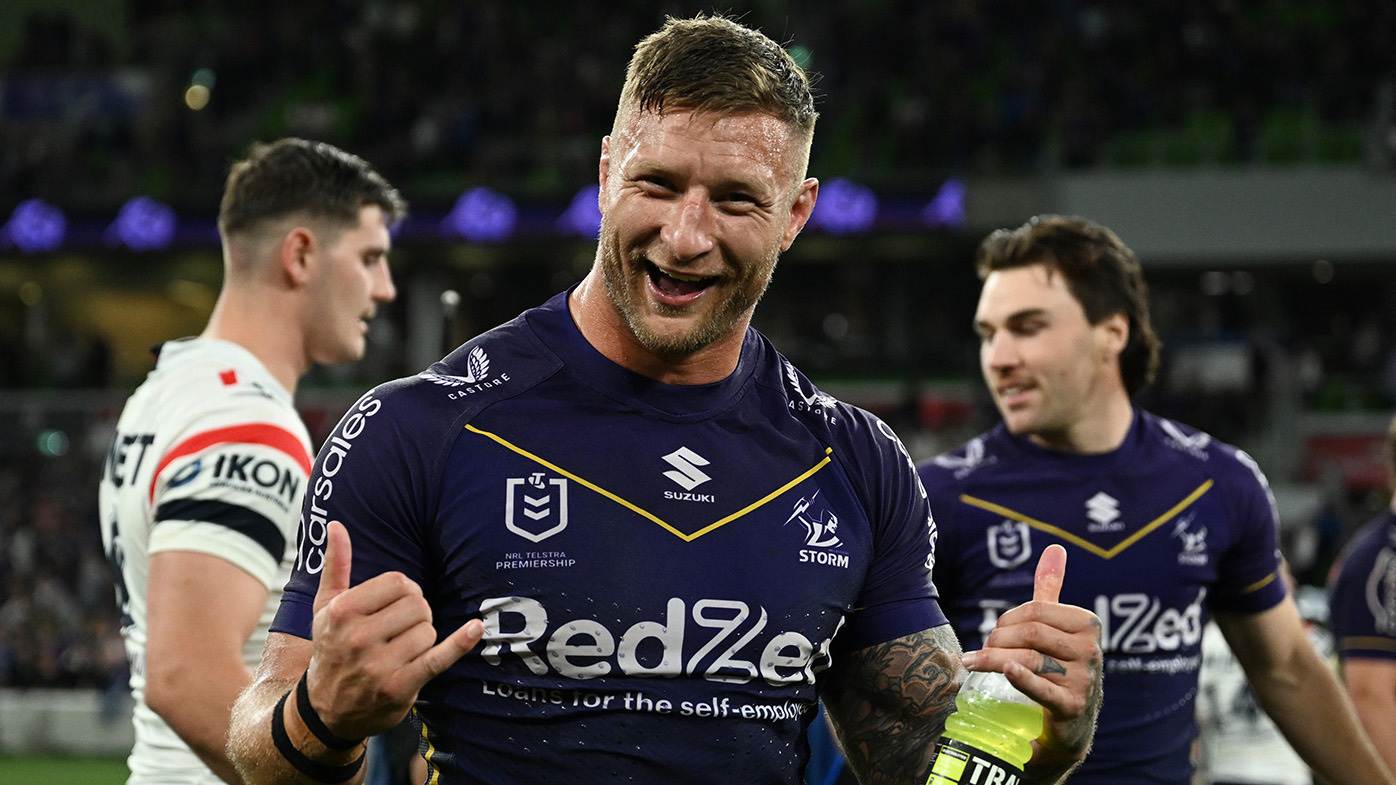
(889, 702)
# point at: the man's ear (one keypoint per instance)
(295, 255)
(800, 211)
(1114, 330)
(603, 172)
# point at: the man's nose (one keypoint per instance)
(383, 289)
(689, 230)
(1000, 352)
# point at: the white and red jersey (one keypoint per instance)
(209, 456)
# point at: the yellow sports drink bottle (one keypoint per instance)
(988, 738)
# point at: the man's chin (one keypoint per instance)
(1018, 424)
(672, 337)
(348, 353)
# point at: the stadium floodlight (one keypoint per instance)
(143, 224)
(35, 226)
(583, 216)
(481, 215)
(844, 207)
(947, 209)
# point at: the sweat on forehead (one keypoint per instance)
(668, 140)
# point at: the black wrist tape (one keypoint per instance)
(298, 760)
(314, 724)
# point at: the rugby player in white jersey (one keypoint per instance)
(202, 486)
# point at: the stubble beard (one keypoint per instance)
(624, 286)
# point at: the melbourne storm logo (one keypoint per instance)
(821, 533)
(1192, 542)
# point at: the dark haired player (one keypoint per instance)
(205, 476)
(1165, 525)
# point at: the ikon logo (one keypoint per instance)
(686, 463)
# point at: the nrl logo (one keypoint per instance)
(1009, 544)
(477, 369)
(535, 507)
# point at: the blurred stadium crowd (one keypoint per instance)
(516, 94)
(442, 95)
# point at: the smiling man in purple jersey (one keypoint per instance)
(620, 538)
(1165, 525)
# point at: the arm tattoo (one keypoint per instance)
(889, 702)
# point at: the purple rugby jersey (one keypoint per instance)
(1167, 528)
(664, 571)
(1363, 592)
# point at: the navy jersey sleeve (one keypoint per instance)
(376, 474)
(1250, 579)
(898, 597)
(942, 492)
(1363, 593)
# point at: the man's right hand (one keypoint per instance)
(374, 645)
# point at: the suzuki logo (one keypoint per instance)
(686, 462)
(1104, 510)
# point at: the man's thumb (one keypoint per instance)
(1051, 570)
(334, 578)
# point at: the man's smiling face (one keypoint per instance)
(696, 209)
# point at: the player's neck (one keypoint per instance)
(267, 328)
(603, 328)
(1101, 429)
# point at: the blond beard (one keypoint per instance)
(715, 326)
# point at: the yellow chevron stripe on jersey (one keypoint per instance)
(1081, 541)
(434, 778)
(828, 451)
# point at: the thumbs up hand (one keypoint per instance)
(374, 645)
(1052, 653)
